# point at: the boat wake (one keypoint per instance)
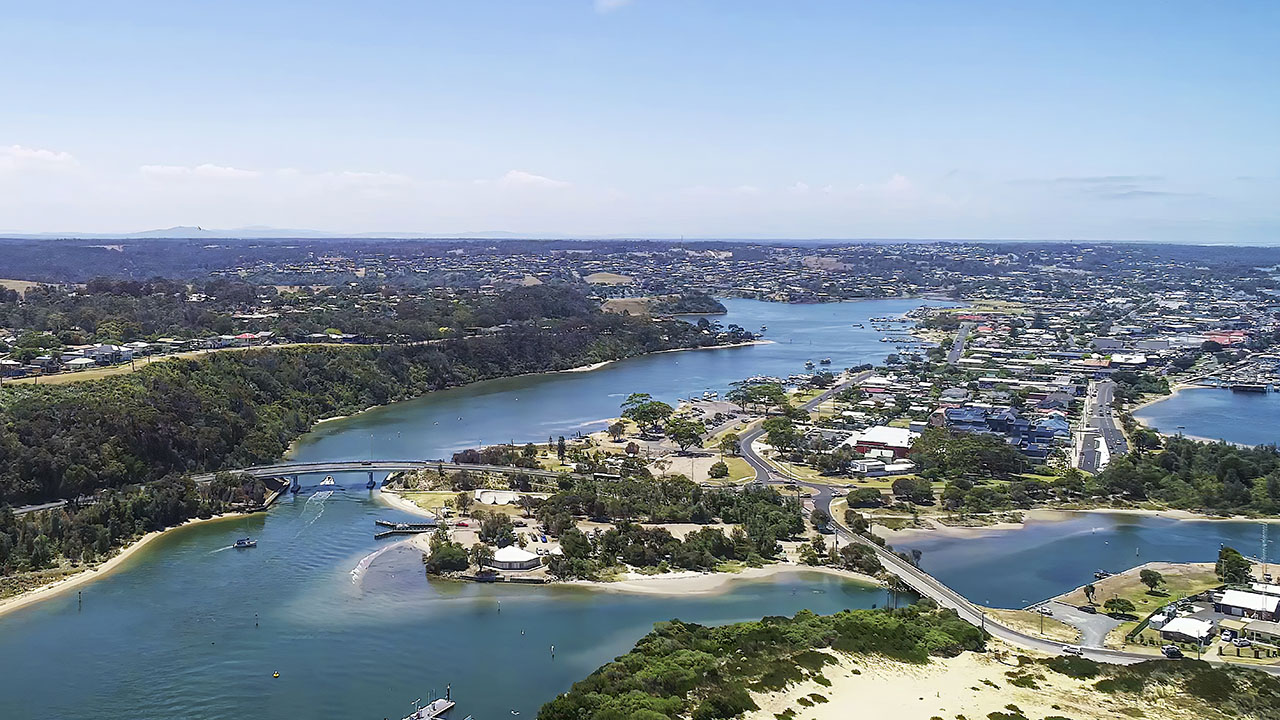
(218, 550)
(358, 572)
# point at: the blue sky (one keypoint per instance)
(734, 118)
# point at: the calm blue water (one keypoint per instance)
(1216, 414)
(172, 635)
(534, 408)
(1014, 568)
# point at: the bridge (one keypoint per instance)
(329, 467)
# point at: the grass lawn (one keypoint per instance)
(1181, 580)
(429, 500)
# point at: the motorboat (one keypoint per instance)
(243, 543)
(328, 481)
(824, 361)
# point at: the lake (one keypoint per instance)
(1217, 414)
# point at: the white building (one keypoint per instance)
(512, 557)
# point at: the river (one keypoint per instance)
(1214, 414)
(189, 626)
(1013, 568)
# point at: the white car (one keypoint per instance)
(1073, 650)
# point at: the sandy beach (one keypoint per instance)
(91, 573)
(699, 583)
(972, 685)
(399, 502)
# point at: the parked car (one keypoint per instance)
(1073, 650)
(1043, 610)
(1088, 609)
(1171, 651)
(1241, 642)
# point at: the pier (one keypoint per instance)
(413, 528)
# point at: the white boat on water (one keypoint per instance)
(328, 480)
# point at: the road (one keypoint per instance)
(316, 468)
(957, 345)
(1103, 439)
(920, 581)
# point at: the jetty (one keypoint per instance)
(404, 528)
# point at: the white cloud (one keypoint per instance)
(207, 170)
(608, 6)
(520, 178)
(20, 157)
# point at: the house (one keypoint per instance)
(1187, 629)
(1242, 603)
(80, 363)
(1263, 631)
(512, 557)
(893, 440)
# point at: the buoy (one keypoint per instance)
(275, 674)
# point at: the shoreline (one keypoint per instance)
(1053, 515)
(692, 582)
(293, 444)
(90, 573)
(1173, 392)
(399, 502)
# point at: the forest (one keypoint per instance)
(87, 533)
(229, 410)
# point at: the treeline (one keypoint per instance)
(91, 532)
(708, 673)
(1197, 475)
(113, 310)
(237, 409)
(763, 517)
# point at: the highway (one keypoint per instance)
(957, 345)
(1103, 438)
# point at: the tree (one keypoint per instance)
(481, 555)
(1089, 591)
(646, 412)
(781, 432)
(718, 470)
(865, 497)
(560, 448)
(1232, 567)
(496, 528)
(1118, 606)
(729, 444)
(462, 502)
(819, 519)
(684, 432)
(617, 430)
(445, 557)
(914, 489)
(1151, 578)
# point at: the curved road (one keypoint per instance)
(917, 579)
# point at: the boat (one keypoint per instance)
(328, 480)
(808, 364)
(243, 543)
(431, 710)
(824, 361)
(764, 327)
